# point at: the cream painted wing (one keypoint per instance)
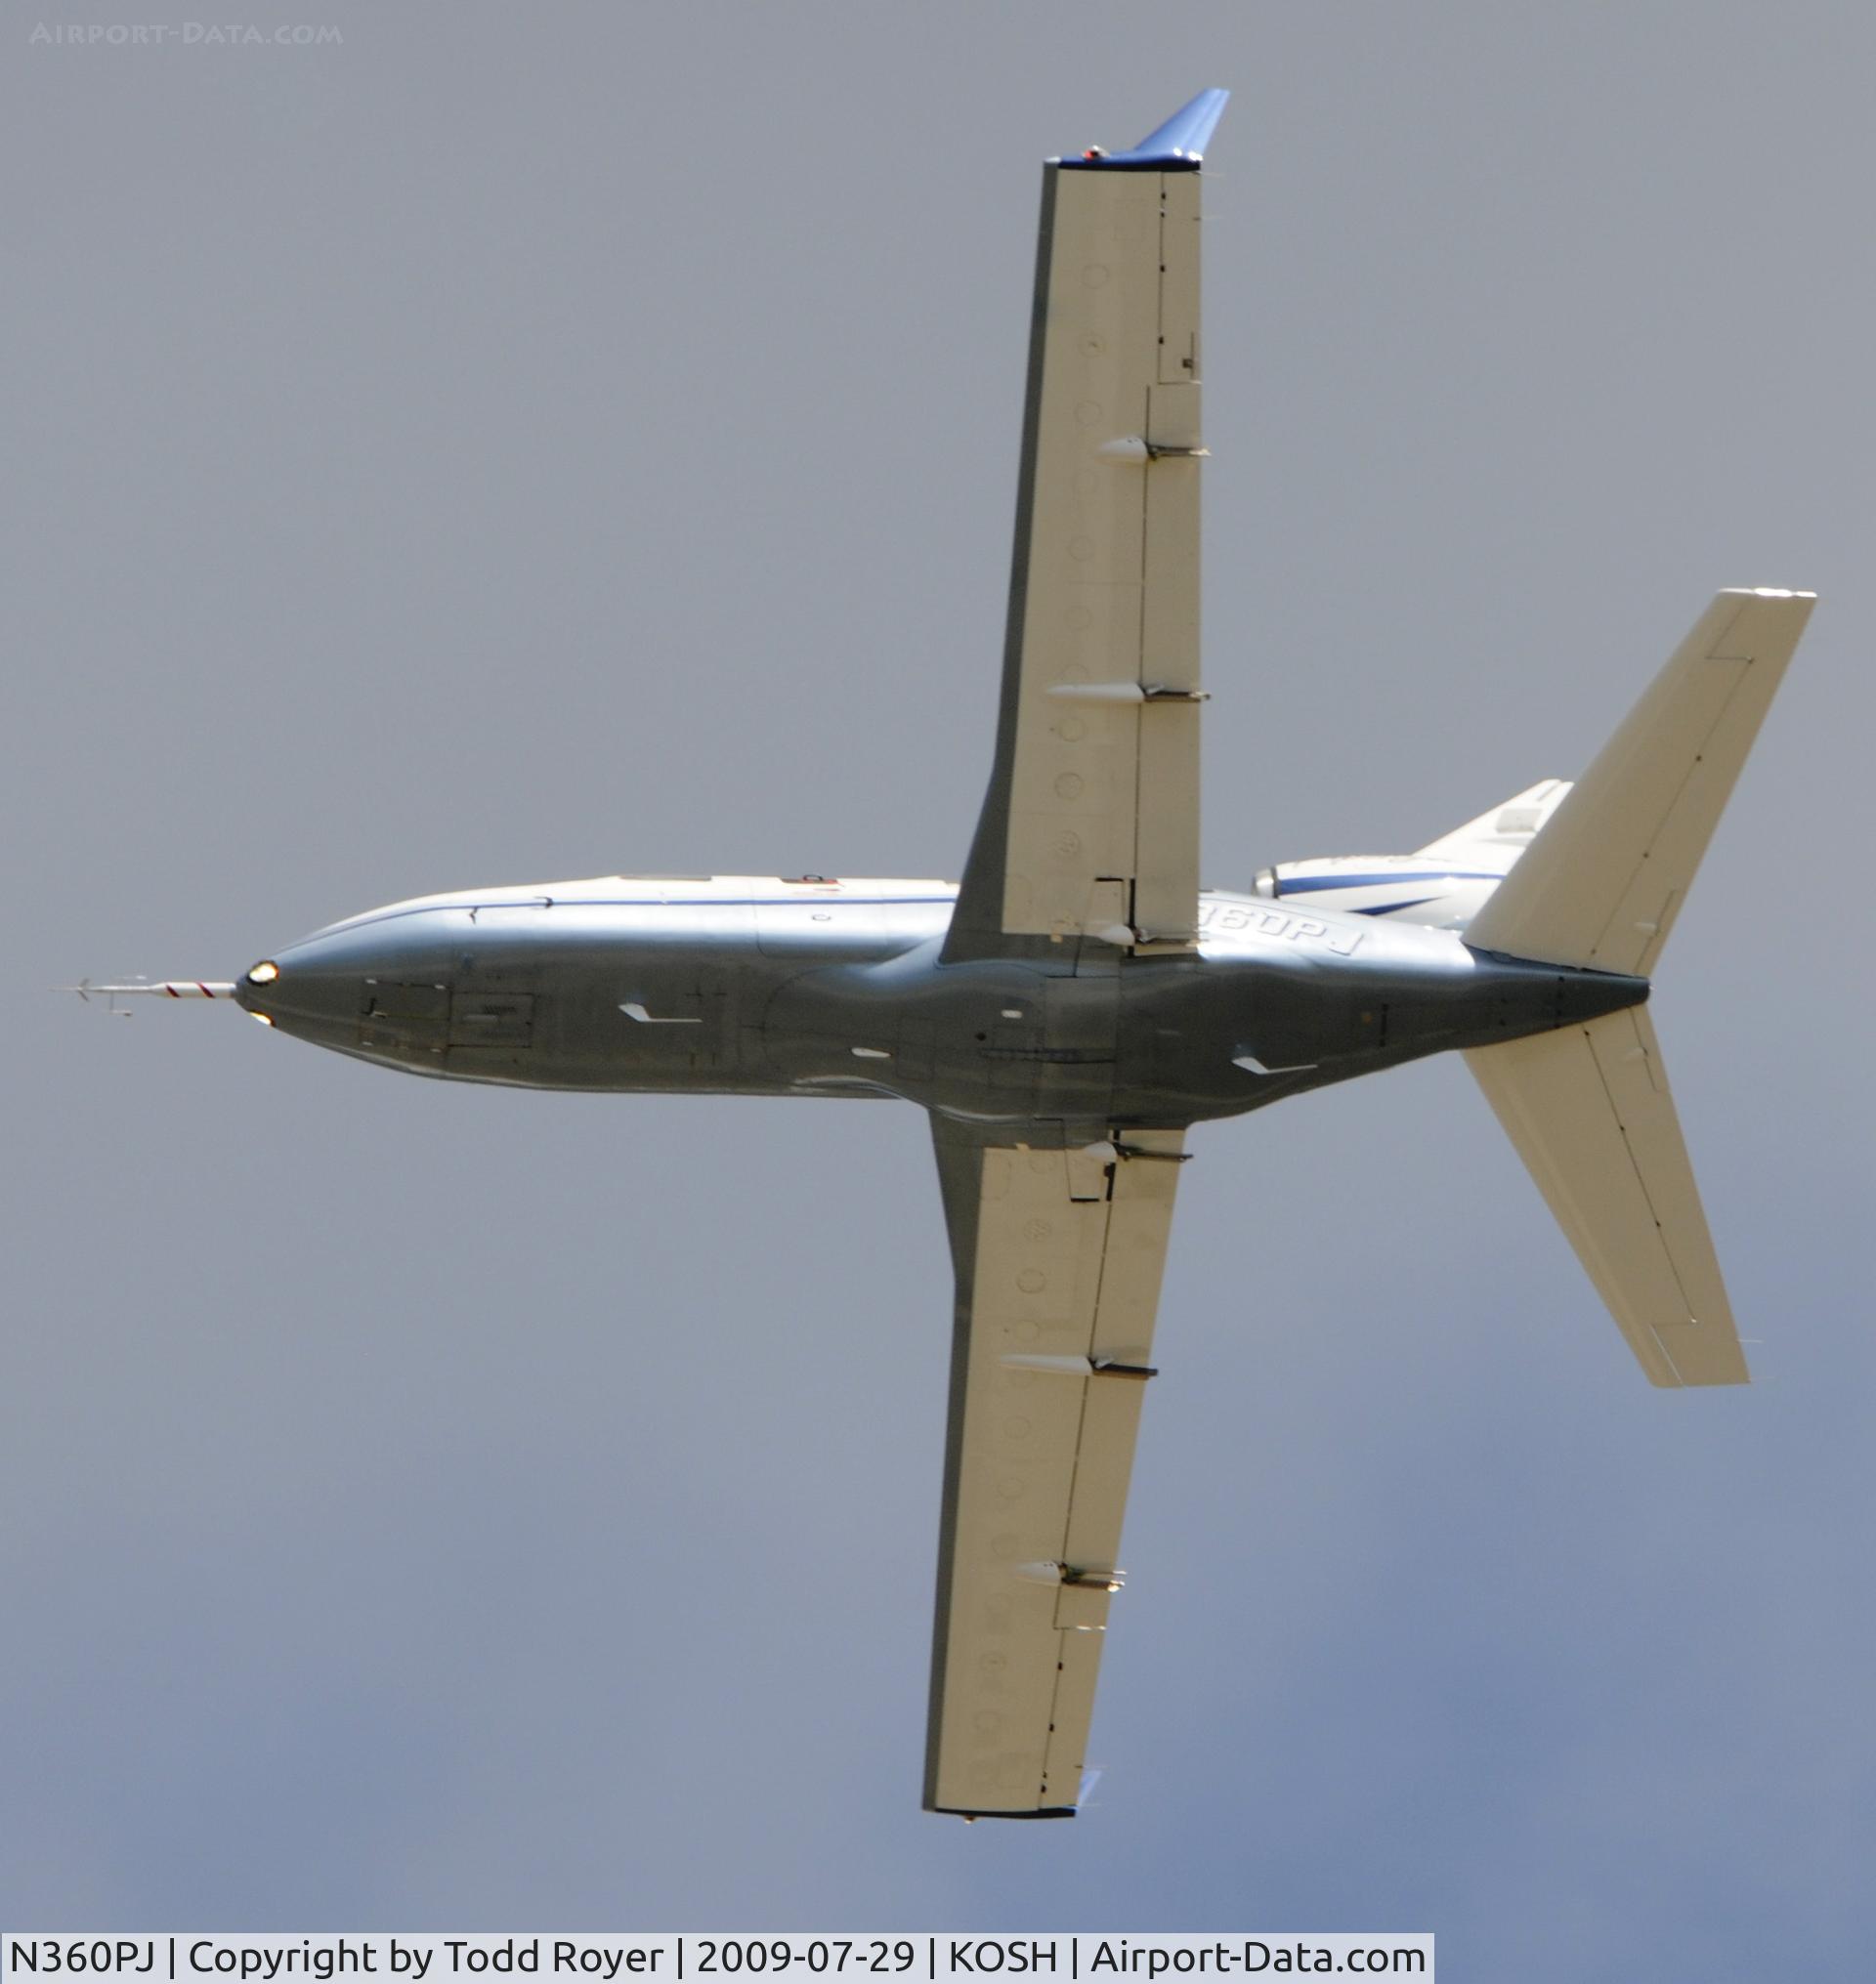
(1058, 1256)
(1091, 824)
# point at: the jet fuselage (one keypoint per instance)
(759, 987)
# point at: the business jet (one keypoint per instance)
(1074, 1007)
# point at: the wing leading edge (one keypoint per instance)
(1090, 823)
(1058, 1256)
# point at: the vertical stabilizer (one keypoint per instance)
(1496, 840)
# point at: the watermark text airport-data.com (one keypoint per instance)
(183, 34)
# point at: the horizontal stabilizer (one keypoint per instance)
(1602, 882)
(1589, 1110)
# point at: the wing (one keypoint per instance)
(1058, 1256)
(1091, 824)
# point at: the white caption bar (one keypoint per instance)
(693, 1958)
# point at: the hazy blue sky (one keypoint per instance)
(518, 444)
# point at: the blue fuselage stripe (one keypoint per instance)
(1304, 885)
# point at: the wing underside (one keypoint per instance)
(1090, 825)
(1058, 1256)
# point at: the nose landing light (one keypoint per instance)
(263, 973)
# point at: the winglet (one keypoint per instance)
(1178, 144)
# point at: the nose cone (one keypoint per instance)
(344, 986)
(313, 996)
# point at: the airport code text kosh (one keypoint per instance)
(671, 1959)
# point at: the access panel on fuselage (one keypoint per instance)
(491, 1019)
(405, 1019)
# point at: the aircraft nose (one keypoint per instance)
(305, 993)
(376, 987)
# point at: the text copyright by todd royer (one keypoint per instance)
(673, 1957)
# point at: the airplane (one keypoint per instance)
(1077, 1004)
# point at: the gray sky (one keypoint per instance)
(524, 443)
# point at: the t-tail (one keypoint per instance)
(1589, 1108)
